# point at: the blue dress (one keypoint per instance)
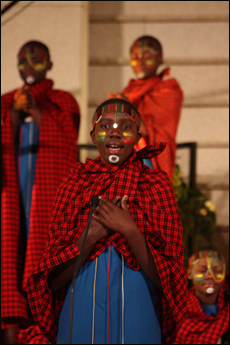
(112, 304)
(148, 162)
(26, 147)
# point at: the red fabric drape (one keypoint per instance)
(153, 207)
(199, 328)
(56, 154)
(159, 104)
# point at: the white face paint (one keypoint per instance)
(140, 75)
(113, 159)
(30, 79)
(210, 289)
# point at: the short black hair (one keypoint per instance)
(38, 43)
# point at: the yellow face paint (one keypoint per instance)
(149, 62)
(133, 62)
(128, 141)
(101, 137)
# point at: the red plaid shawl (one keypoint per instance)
(159, 103)
(57, 153)
(153, 207)
(199, 328)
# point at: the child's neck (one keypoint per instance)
(206, 299)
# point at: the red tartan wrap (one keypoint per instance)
(199, 328)
(159, 104)
(31, 335)
(153, 207)
(57, 153)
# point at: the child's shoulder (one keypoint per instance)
(156, 177)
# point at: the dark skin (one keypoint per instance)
(111, 216)
(145, 60)
(200, 287)
(141, 59)
(24, 104)
(8, 335)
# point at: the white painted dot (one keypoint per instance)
(115, 125)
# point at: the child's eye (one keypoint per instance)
(106, 126)
(126, 127)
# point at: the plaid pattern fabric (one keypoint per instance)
(199, 328)
(31, 335)
(56, 154)
(159, 103)
(153, 207)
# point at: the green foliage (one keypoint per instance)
(197, 214)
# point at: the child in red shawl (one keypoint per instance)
(158, 101)
(39, 137)
(207, 317)
(131, 286)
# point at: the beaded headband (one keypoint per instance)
(116, 109)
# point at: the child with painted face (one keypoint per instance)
(207, 318)
(131, 285)
(33, 65)
(39, 134)
(157, 99)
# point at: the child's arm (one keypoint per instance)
(120, 220)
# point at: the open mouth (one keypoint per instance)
(114, 149)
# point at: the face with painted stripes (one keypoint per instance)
(145, 58)
(33, 63)
(115, 136)
(207, 272)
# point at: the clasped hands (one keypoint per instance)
(23, 100)
(112, 216)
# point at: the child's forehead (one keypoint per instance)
(32, 49)
(144, 44)
(118, 118)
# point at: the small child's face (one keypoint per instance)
(33, 63)
(115, 137)
(144, 60)
(207, 275)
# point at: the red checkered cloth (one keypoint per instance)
(199, 328)
(153, 207)
(159, 104)
(31, 335)
(57, 153)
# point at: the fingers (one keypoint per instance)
(124, 203)
(116, 200)
(106, 206)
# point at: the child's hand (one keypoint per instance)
(115, 218)
(117, 95)
(97, 230)
(23, 100)
(20, 100)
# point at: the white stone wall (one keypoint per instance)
(63, 26)
(195, 39)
